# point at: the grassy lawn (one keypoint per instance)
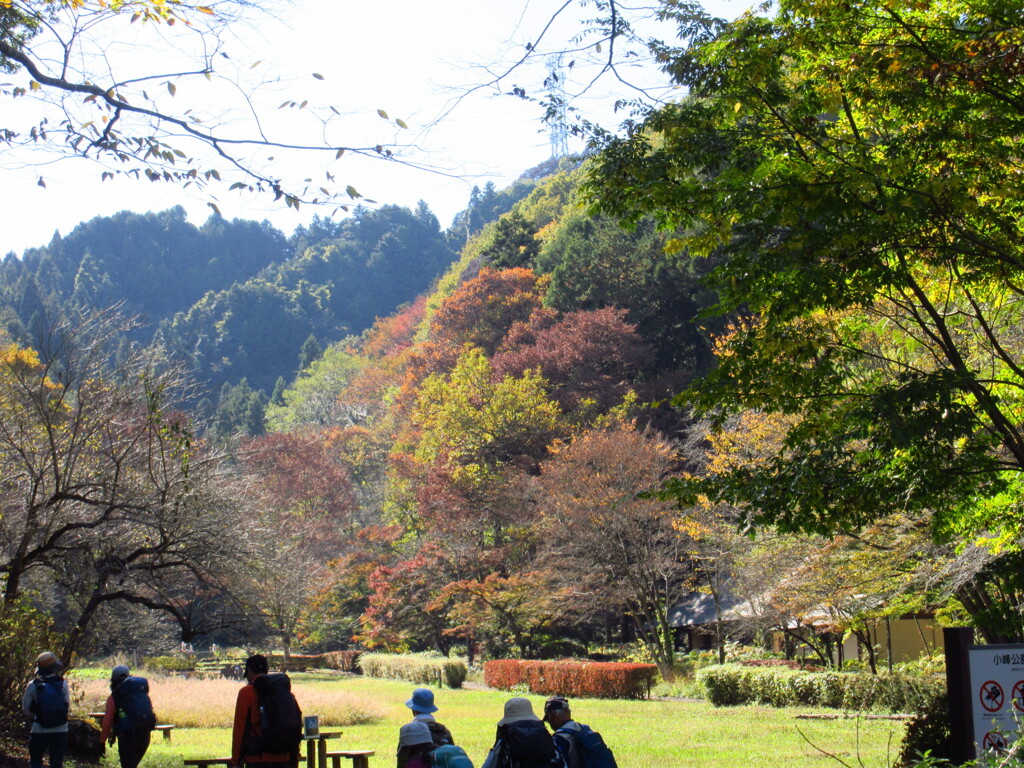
(643, 734)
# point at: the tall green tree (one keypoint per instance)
(857, 165)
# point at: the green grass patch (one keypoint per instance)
(643, 734)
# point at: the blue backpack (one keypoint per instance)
(133, 709)
(50, 707)
(450, 756)
(593, 752)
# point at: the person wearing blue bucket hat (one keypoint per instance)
(422, 702)
(423, 708)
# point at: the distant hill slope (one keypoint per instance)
(235, 298)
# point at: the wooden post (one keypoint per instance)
(958, 683)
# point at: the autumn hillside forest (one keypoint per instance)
(764, 347)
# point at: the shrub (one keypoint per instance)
(599, 680)
(346, 661)
(732, 684)
(24, 632)
(928, 731)
(415, 668)
(503, 674)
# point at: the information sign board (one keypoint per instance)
(997, 694)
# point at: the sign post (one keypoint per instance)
(997, 691)
(957, 641)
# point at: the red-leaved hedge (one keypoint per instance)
(591, 679)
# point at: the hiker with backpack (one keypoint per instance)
(415, 745)
(47, 702)
(423, 708)
(128, 716)
(268, 722)
(522, 741)
(579, 745)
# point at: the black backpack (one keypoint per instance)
(133, 708)
(439, 734)
(280, 716)
(527, 744)
(50, 707)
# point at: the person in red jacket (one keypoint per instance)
(247, 722)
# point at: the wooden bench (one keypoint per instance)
(360, 758)
(206, 762)
(165, 730)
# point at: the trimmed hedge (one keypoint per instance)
(732, 684)
(593, 679)
(414, 668)
(346, 661)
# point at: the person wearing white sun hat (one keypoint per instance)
(521, 740)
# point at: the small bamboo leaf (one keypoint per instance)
(383, 114)
(318, 76)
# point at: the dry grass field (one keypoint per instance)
(643, 734)
(198, 703)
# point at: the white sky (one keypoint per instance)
(406, 57)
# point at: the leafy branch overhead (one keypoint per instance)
(200, 123)
(857, 169)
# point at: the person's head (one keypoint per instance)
(47, 663)
(557, 712)
(255, 666)
(422, 702)
(415, 736)
(118, 675)
(518, 709)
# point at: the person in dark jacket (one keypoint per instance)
(46, 703)
(131, 729)
(522, 741)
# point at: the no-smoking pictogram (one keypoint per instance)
(992, 696)
(994, 740)
(1018, 696)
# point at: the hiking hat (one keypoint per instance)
(120, 672)
(47, 663)
(518, 709)
(416, 732)
(555, 704)
(422, 701)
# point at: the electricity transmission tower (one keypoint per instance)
(557, 111)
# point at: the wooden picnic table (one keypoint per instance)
(316, 748)
(360, 758)
(165, 729)
(317, 754)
